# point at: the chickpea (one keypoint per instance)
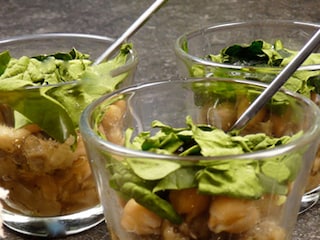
(189, 202)
(112, 117)
(222, 116)
(270, 206)
(280, 123)
(112, 122)
(11, 138)
(122, 105)
(139, 220)
(242, 104)
(232, 215)
(6, 115)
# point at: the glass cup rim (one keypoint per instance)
(86, 130)
(130, 64)
(39, 36)
(181, 53)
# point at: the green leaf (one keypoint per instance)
(182, 178)
(99, 80)
(263, 56)
(152, 169)
(245, 54)
(137, 142)
(170, 143)
(152, 202)
(122, 173)
(214, 141)
(73, 54)
(4, 60)
(72, 98)
(193, 150)
(39, 109)
(276, 170)
(272, 186)
(233, 179)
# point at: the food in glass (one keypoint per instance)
(166, 167)
(43, 161)
(255, 50)
(3, 194)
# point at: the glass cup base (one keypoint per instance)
(309, 199)
(53, 226)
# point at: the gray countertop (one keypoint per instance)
(154, 43)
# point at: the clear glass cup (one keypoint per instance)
(149, 195)
(51, 189)
(192, 50)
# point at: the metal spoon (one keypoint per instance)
(275, 85)
(130, 31)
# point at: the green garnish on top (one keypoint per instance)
(149, 178)
(69, 82)
(261, 61)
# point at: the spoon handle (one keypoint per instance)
(275, 85)
(130, 31)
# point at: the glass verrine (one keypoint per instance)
(162, 186)
(254, 50)
(43, 162)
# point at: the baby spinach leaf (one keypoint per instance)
(122, 173)
(245, 54)
(152, 202)
(152, 169)
(214, 142)
(137, 142)
(182, 178)
(234, 180)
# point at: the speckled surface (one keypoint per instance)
(154, 43)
